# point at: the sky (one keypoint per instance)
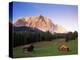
(65, 15)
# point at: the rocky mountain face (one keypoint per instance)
(40, 22)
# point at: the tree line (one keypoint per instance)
(21, 38)
(27, 37)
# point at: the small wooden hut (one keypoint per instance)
(63, 48)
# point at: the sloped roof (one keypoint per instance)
(63, 46)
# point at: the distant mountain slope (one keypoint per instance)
(26, 29)
(40, 22)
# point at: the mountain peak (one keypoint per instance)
(41, 16)
(40, 22)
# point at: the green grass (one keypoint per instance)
(47, 48)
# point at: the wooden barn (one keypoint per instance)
(63, 48)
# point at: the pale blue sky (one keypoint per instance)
(65, 15)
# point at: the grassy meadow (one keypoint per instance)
(47, 48)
